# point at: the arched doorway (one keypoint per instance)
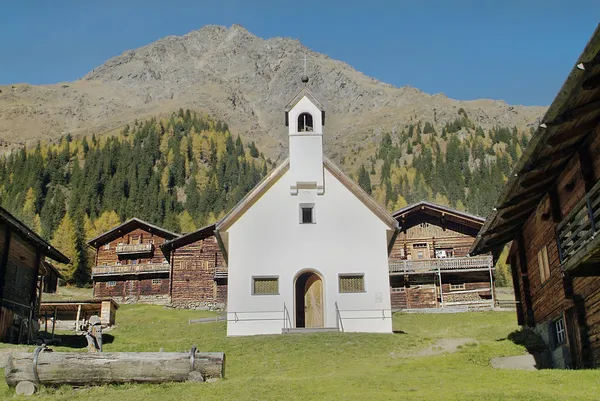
(309, 300)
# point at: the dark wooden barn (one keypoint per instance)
(429, 262)
(198, 270)
(550, 210)
(129, 266)
(23, 274)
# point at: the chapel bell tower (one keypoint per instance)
(305, 118)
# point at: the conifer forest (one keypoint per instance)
(188, 170)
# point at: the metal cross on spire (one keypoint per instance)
(304, 77)
(304, 59)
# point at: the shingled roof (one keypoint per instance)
(128, 226)
(31, 237)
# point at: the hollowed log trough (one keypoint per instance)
(82, 369)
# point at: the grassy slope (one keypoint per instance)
(337, 366)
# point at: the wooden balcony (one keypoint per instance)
(135, 249)
(131, 269)
(420, 266)
(578, 242)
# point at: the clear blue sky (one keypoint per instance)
(518, 51)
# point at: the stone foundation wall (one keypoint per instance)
(199, 305)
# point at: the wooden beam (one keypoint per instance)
(591, 83)
(528, 195)
(544, 161)
(500, 239)
(33, 292)
(536, 179)
(565, 135)
(517, 288)
(576, 112)
(525, 278)
(555, 204)
(587, 167)
(4, 261)
(510, 223)
(522, 210)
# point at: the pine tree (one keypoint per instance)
(364, 180)
(65, 240)
(186, 222)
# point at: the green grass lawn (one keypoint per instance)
(337, 366)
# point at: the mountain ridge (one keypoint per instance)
(237, 77)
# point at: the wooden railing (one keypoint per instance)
(131, 269)
(134, 248)
(443, 264)
(580, 225)
(220, 272)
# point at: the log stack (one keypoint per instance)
(44, 367)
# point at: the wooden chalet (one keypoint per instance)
(129, 266)
(429, 263)
(198, 270)
(550, 210)
(23, 274)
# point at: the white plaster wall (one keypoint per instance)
(268, 240)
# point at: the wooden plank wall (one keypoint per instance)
(128, 288)
(20, 275)
(435, 237)
(548, 298)
(193, 268)
(423, 291)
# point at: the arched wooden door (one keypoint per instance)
(313, 301)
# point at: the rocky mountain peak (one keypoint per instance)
(240, 78)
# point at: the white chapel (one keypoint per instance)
(307, 248)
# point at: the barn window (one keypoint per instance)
(265, 285)
(111, 283)
(543, 264)
(559, 326)
(107, 246)
(156, 281)
(305, 122)
(457, 287)
(351, 283)
(307, 213)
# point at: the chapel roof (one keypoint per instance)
(304, 92)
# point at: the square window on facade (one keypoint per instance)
(107, 246)
(265, 285)
(351, 283)
(307, 214)
(111, 283)
(543, 264)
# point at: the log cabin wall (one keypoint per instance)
(194, 282)
(423, 291)
(434, 237)
(133, 288)
(425, 235)
(549, 301)
(19, 262)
